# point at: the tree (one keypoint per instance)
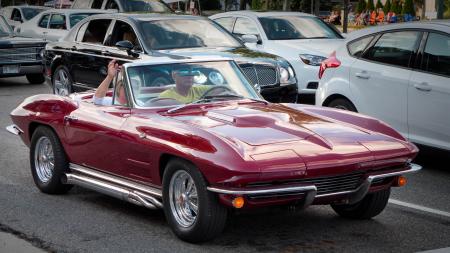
(408, 8)
(370, 5)
(361, 6)
(394, 6)
(256, 4)
(379, 5)
(399, 7)
(387, 6)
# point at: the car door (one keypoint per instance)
(429, 93)
(57, 27)
(89, 64)
(38, 30)
(379, 79)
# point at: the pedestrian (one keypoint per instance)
(380, 16)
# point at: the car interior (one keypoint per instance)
(96, 31)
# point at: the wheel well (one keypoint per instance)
(33, 126)
(335, 96)
(164, 159)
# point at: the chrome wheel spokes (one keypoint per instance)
(44, 159)
(183, 198)
(62, 83)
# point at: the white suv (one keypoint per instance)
(397, 73)
(302, 39)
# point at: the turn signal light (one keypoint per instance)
(401, 181)
(238, 202)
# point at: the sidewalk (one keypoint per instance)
(11, 243)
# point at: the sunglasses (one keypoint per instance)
(187, 72)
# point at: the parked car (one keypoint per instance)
(54, 24)
(20, 56)
(59, 4)
(154, 6)
(397, 73)
(302, 39)
(16, 15)
(79, 61)
(227, 150)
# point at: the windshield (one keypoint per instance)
(185, 33)
(297, 27)
(30, 13)
(75, 18)
(185, 83)
(5, 29)
(146, 6)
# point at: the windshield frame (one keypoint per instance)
(131, 95)
(9, 31)
(146, 44)
(330, 27)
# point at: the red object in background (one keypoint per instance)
(330, 62)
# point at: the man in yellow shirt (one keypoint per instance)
(184, 91)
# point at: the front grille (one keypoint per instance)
(325, 185)
(261, 75)
(18, 55)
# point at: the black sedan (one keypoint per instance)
(20, 56)
(79, 61)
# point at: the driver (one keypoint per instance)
(184, 91)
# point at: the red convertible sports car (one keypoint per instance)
(219, 148)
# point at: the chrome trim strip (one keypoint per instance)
(13, 129)
(264, 191)
(412, 168)
(116, 180)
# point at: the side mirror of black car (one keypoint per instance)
(127, 46)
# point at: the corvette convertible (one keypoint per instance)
(227, 149)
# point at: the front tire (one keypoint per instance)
(48, 161)
(35, 78)
(193, 213)
(62, 81)
(370, 206)
(342, 103)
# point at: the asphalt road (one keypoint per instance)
(85, 221)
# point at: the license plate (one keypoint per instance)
(11, 69)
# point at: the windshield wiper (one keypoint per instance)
(207, 99)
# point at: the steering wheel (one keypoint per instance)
(161, 102)
(215, 88)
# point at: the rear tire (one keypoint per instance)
(210, 218)
(48, 161)
(35, 78)
(62, 81)
(370, 206)
(342, 103)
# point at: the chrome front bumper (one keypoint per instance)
(310, 191)
(14, 130)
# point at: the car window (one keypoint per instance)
(16, 15)
(245, 26)
(227, 23)
(96, 31)
(436, 56)
(97, 4)
(356, 47)
(77, 17)
(112, 5)
(44, 21)
(29, 13)
(122, 31)
(396, 48)
(58, 21)
(81, 4)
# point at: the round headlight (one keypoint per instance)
(284, 75)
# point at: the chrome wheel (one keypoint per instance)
(341, 107)
(183, 198)
(62, 83)
(44, 159)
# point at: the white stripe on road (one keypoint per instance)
(419, 207)
(443, 250)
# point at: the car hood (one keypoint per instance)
(260, 131)
(322, 47)
(12, 41)
(240, 55)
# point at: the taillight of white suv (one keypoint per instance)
(330, 62)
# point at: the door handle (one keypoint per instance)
(363, 75)
(423, 86)
(70, 118)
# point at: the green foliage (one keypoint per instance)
(370, 5)
(396, 6)
(399, 7)
(301, 5)
(361, 6)
(447, 9)
(256, 4)
(387, 6)
(408, 8)
(379, 5)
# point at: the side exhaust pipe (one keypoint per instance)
(114, 190)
